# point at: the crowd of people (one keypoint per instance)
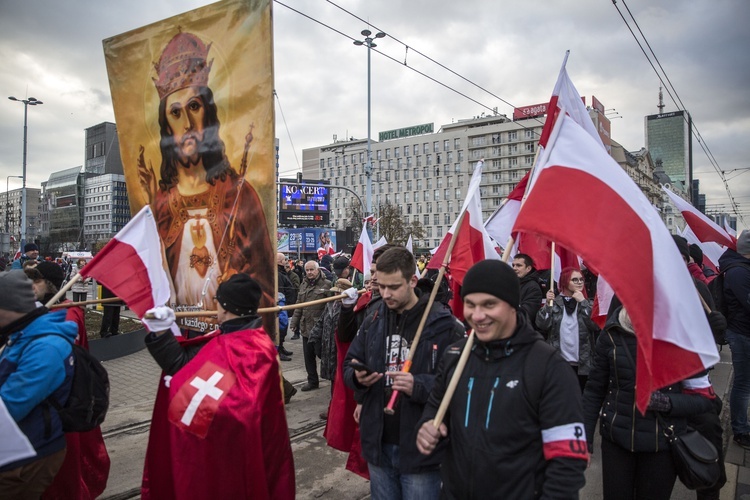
(515, 417)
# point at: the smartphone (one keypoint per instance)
(361, 367)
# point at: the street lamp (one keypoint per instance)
(7, 201)
(31, 101)
(368, 41)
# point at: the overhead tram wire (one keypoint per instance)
(407, 47)
(485, 106)
(697, 133)
(694, 128)
(278, 101)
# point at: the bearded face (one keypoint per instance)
(185, 112)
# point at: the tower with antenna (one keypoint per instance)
(661, 102)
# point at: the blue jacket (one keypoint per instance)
(37, 363)
(736, 291)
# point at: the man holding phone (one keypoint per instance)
(374, 369)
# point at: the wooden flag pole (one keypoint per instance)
(552, 270)
(64, 305)
(407, 364)
(61, 293)
(263, 310)
(443, 409)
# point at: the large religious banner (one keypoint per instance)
(193, 100)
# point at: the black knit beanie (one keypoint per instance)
(494, 277)
(52, 273)
(682, 246)
(697, 254)
(239, 295)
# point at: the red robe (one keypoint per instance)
(85, 470)
(219, 430)
(342, 432)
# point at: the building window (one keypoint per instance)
(447, 194)
(512, 135)
(460, 156)
(379, 154)
(396, 152)
(426, 147)
(387, 153)
(446, 145)
(429, 159)
(406, 150)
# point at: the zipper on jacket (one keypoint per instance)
(492, 397)
(468, 402)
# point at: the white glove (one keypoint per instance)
(351, 296)
(163, 319)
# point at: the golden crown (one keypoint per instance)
(182, 64)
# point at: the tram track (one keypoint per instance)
(297, 435)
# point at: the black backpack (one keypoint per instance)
(88, 402)
(716, 287)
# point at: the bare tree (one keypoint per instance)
(390, 224)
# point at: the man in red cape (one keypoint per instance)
(85, 470)
(219, 429)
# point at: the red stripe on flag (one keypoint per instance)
(704, 232)
(128, 279)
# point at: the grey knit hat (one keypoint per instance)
(743, 242)
(16, 293)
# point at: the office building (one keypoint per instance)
(668, 139)
(106, 209)
(102, 152)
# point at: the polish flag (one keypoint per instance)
(130, 265)
(362, 257)
(674, 339)
(500, 223)
(703, 227)
(410, 246)
(473, 244)
(711, 250)
(382, 241)
(731, 232)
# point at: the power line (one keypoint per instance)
(693, 127)
(278, 101)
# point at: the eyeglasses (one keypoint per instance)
(576, 280)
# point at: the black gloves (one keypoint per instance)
(718, 324)
(659, 402)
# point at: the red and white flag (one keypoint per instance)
(712, 251)
(473, 244)
(362, 257)
(730, 231)
(500, 224)
(382, 241)
(704, 228)
(130, 265)
(674, 339)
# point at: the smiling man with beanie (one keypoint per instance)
(37, 363)
(515, 421)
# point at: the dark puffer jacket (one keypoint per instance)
(611, 388)
(736, 290)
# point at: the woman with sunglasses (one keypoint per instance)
(567, 323)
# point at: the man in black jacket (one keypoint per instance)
(397, 469)
(531, 293)
(737, 298)
(290, 294)
(515, 432)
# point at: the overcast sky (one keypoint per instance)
(52, 50)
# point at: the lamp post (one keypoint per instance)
(368, 41)
(7, 201)
(31, 101)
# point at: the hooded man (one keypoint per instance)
(509, 436)
(219, 428)
(37, 363)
